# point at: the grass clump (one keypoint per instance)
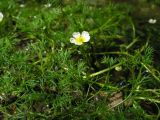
(43, 76)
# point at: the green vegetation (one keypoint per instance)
(114, 76)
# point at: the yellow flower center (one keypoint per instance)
(80, 39)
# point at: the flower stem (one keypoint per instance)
(118, 53)
(104, 70)
(132, 43)
(150, 72)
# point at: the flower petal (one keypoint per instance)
(152, 21)
(76, 34)
(85, 34)
(72, 40)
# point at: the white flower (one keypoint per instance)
(152, 21)
(47, 5)
(1, 16)
(22, 5)
(118, 68)
(79, 39)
